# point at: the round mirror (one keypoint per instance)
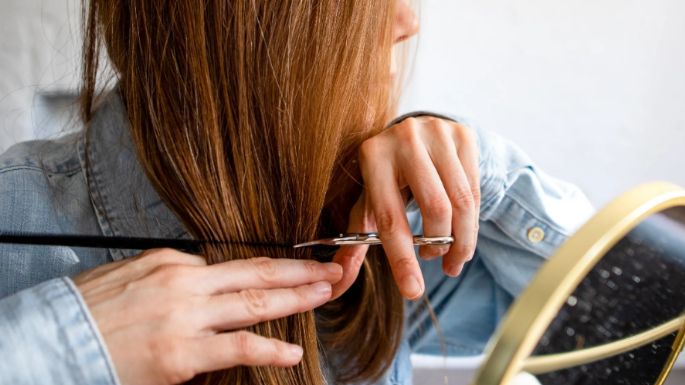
(608, 307)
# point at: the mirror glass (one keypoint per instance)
(638, 285)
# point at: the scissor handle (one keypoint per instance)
(374, 239)
(420, 240)
(351, 239)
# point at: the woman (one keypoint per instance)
(257, 123)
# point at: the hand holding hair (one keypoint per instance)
(435, 159)
(166, 316)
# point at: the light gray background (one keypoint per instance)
(593, 90)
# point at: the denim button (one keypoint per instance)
(536, 234)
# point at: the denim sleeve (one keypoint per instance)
(525, 216)
(525, 213)
(48, 337)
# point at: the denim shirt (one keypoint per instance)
(90, 182)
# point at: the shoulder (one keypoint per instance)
(43, 190)
(35, 175)
(49, 156)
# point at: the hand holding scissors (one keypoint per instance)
(437, 161)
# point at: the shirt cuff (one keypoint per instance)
(49, 337)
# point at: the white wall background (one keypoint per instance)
(39, 42)
(593, 90)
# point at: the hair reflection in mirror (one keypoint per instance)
(638, 284)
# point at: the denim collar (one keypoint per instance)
(125, 202)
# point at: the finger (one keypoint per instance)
(226, 350)
(419, 171)
(388, 209)
(351, 258)
(459, 190)
(264, 273)
(469, 154)
(252, 306)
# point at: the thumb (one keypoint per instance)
(352, 257)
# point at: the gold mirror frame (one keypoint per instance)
(509, 349)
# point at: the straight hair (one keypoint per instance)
(246, 116)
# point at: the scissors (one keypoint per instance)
(191, 245)
(371, 239)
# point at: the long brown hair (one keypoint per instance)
(246, 115)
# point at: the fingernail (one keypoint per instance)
(333, 268)
(412, 287)
(296, 350)
(323, 288)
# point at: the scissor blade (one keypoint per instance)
(327, 241)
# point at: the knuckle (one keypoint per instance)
(304, 298)
(266, 269)
(437, 126)
(168, 256)
(463, 132)
(167, 251)
(170, 275)
(368, 149)
(475, 193)
(172, 362)
(405, 265)
(387, 222)
(438, 208)
(408, 131)
(312, 267)
(410, 122)
(465, 248)
(156, 257)
(131, 286)
(161, 253)
(244, 345)
(255, 304)
(461, 199)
